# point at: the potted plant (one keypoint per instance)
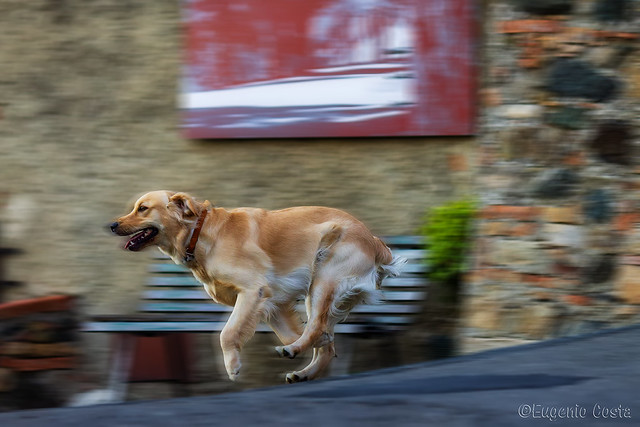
(447, 232)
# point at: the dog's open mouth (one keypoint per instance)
(141, 239)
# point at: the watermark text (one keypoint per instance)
(553, 413)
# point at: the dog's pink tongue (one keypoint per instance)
(129, 245)
(132, 243)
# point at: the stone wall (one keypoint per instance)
(558, 236)
(88, 120)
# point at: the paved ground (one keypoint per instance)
(588, 380)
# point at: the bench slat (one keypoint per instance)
(173, 307)
(178, 269)
(202, 326)
(404, 282)
(186, 326)
(403, 240)
(410, 254)
(174, 281)
(184, 307)
(395, 242)
(414, 268)
(202, 296)
(177, 295)
(186, 281)
(170, 267)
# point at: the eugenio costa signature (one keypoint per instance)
(552, 413)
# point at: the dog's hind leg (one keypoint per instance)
(241, 326)
(316, 333)
(321, 358)
(320, 298)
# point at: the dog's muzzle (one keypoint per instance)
(138, 239)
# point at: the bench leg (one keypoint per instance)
(178, 361)
(341, 364)
(121, 366)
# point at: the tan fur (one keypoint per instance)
(260, 262)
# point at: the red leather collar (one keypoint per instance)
(195, 234)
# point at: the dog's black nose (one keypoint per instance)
(114, 226)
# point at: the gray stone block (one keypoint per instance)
(573, 78)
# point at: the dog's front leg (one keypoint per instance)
(240, 327)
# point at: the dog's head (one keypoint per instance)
(161, 218)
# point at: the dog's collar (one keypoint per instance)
(195, 233)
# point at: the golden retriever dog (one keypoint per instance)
(262, 262)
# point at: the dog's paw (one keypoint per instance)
(293, 377)
(234, 372)
(233, 375)
(285, 351)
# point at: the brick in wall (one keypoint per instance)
(628, 284)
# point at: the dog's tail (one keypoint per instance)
(383, 253)
(390, 270)
(388, 265)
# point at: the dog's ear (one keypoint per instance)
(184, 205)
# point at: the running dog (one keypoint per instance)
(262, 262)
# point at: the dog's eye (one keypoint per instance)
(142, 208)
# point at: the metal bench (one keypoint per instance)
(174, 303)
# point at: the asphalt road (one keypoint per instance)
(591, 380)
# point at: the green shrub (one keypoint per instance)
(447, 233)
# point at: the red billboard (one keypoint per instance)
(325, 68)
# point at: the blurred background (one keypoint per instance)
(89, 119)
